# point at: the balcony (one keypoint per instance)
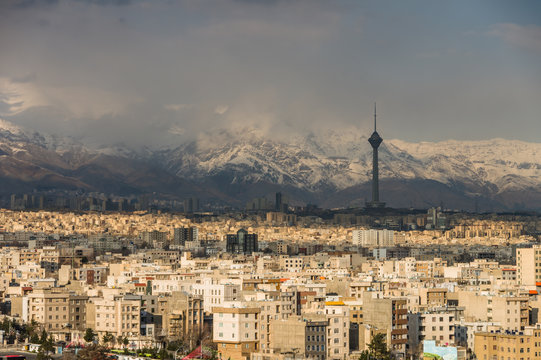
(399, 331)
(399, 341)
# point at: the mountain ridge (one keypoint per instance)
(324, 167)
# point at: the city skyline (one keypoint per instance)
(160, 73)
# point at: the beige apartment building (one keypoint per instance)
(529, 265)
(510, 311)
(62, 313)
(390, 314)
(304, 337)
(509, 345)
(117, 315)
(337, 314)
(182, 315)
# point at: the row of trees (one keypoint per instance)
(107, 339)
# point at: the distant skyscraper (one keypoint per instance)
(182, 235)
(375, 141)
(191, 205)
(278, 202)
(242, 243)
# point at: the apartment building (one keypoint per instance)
(509, 345)
(236, 331)
(510, 311)
(216, 293)
(275, 305)
(437, 325)
(337, 314)
(302, 336)
(529, 265)
(389, 314)
(50, 308)
(182, 314)
(119, 315)
(291, 264)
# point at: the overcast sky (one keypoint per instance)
(160, 72)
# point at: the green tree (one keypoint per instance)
(43, 337)
(125, 341)
(377, 349)
(89, 335)
(5, 325)
(34, 339)
(46, 349)
(107, 338)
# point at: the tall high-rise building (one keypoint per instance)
(373, 237)
(191, 205)
(375, 141)
(278, 202)
(242, 243)
(184, 234)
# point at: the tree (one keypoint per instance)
(43, 337)
(125, 341)
(89, 335)
(46, 348)
(377, 349)
(34, 339)
(108, 338)
(93, 352)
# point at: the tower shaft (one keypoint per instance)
(375, 175)
(375, 141)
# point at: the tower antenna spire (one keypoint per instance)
(375, 116)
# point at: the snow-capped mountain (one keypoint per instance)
(334, 162)
(331, 168)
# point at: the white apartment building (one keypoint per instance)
(216, 292)
(236, 331)
(373, 238)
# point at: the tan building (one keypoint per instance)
(48, 308)
(236, 331)
(510, 311)
(304, 337)
(62, 313)
(117, 315)
(529, 265)
(433, 297)
(276, 306)
(390, 314)
(26, 256)
(337, 314)
(182, 315)
(509, 345)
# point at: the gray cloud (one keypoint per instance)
(30, 77)
(527, 37)
(149, 73)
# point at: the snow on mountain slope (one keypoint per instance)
(337, 161)
(509, 164)
(321, 163)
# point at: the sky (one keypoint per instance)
(158, 73)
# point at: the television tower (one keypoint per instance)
(375, 141)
